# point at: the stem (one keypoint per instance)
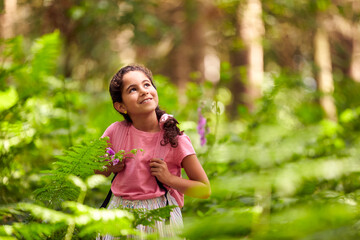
(70, 231)
(67, 109)
(71, 227)
(217, 120)
(262, 198)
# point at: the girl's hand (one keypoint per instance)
(110, 168)
(117, 168)
(159, 169)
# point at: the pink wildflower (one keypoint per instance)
(110, 151)
(115, 161)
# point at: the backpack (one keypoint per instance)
(160, 152)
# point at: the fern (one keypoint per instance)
(104, 221)
(148, 217)
(12, 48)
(45, 52)
(77, 220)
(70, 179)
(81, 161)
(32, 231)
(52, 224)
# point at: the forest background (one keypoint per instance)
(278, 83)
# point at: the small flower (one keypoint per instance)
(163, 119)
(110, 151)
(115, 161)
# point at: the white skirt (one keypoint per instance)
(162, 228)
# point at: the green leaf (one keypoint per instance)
(8, 98)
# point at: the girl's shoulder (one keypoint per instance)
(183, 139)
(119, 124)
(183, 136)
(183, 149)
(115, 127)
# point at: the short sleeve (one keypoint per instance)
(184, 148)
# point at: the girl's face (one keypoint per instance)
(138, 94)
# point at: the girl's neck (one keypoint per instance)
(148, 123)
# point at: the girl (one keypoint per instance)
(139, 181)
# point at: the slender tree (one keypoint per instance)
(252, 30)
(324, 71)
(8, 20)
(355, 54)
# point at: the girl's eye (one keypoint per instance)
(147, 85)
(132, 89)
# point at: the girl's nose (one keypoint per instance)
(144, 91)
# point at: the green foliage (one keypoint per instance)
(89, 221)
(232, 223)
(167, 93)
(70, 180)
(28, 231)
(279, 173)
(72, 217)
(25, 73)
(32, 130)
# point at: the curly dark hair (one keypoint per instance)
(171, 130)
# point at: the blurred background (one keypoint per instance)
(267, 90)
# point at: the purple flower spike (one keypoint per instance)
(115, 162)
(201, 127)
(202, 141)
(110, 151)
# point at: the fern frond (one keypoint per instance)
(149, 217)
(87, 220)
(52, 221)
(12, 47)
(104, 221)
(81, 161)
(34, 231)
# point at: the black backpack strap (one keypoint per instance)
(108, 196)
(160, 152)
(161, 185)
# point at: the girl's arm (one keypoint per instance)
(197, 185)
(110, 168)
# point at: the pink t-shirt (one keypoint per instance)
(135, 182)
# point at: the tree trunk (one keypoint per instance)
(196, 37)
(56, 18)
(351, 32)
(324, 73)
(238, 61)
(177, 67)
(180, 69)
(355, 54)
(252, 30)
(237, 84)
(8, 20)
(187, 55)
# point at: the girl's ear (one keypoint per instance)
(120, 107)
